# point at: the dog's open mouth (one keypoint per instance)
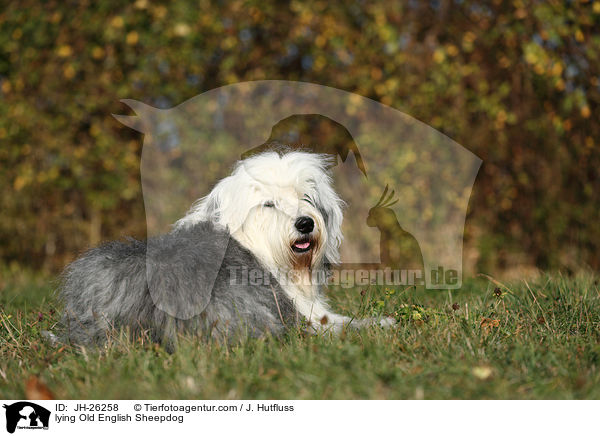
(302, 245)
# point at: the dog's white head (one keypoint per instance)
(282, 207)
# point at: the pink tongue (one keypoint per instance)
(302, 245)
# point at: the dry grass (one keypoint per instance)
(488, 340)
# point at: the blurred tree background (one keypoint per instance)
(516, 82)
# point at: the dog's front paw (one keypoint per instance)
(387, 322)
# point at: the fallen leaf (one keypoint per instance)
(489, 323)
(35, 389)
(482, 372)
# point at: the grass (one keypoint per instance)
(537, 340)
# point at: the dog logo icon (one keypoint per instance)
(26, 415)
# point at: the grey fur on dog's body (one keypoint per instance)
(109, 287)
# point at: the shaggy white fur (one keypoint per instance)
(261, 204)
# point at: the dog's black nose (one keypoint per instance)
(305, 224)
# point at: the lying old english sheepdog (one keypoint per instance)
(245, 260)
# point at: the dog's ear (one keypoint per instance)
(208, 207)
(332, 206)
